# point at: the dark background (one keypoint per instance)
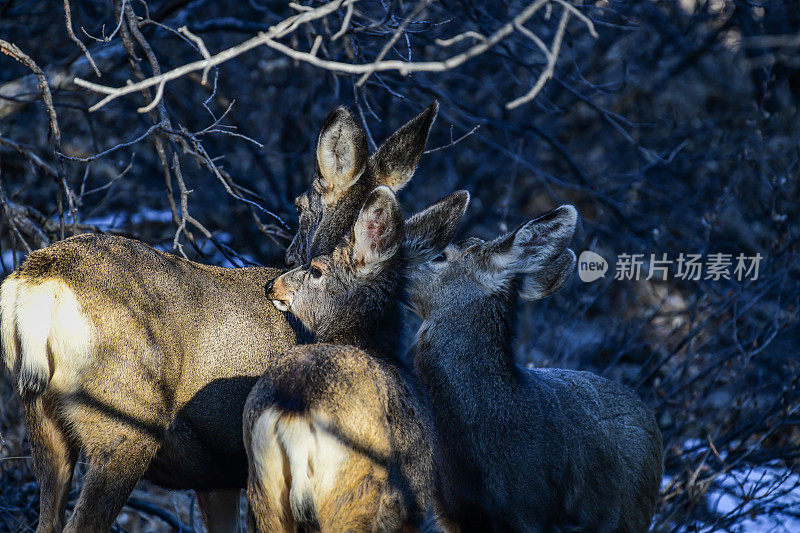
(674, 131)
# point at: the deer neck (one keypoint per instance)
(373, 324)
(468, 341)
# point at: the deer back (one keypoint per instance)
(373, 468)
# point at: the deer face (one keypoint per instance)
(364, 271)
(340, 285)
(345, 176)
(474, 269)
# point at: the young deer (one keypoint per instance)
(337, 433)
(520, 449)
(143, 360)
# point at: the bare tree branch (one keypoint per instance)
(552, 56)
(308, 15)
(14, 52)
(71, 33)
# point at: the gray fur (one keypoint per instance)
(431, 230)
(548, 279)
(354, 375)
(520, 449)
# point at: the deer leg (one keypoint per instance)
(220, 510)
(53, 460)
(114, 468)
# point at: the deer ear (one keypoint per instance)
(534, 244)
(549, 278)
(396, 160)
(341, 154)
(378, 230)
(427, 234)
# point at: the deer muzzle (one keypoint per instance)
(277, 293)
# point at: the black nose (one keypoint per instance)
(268, 287)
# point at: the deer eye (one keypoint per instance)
(315, 272)
(439, 258)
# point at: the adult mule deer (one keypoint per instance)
(143, 360)
(524, 449)
(337, 433)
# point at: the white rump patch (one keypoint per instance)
(37, 317)
(315, 455)
(8, 294)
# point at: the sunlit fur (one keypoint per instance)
(338, 434)
(142, 360)
(122, 352)
(43, 320)
(341, 445)
(525, 449)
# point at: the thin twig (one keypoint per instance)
(288, 25)
(453, 142)
(345, 23)
(551, 64)
(71, 33)
(114, 148)
(107, 39)
(282, 29)
(14, 52)
(390, 43)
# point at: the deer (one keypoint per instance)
(143, 360)
(521, 449)
(338, 432)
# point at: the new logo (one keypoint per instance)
(591, 266)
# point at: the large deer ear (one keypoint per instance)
(341, 154)
(396, 160)
(549, 278)
(378, 230)
(535, 244)
(427, 234)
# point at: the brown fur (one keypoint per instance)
(159, 377)
(334, 199)
(350, 422)
(354, 392)
(143, 360)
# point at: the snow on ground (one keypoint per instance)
(121, 220)
(761, 499)
(766, 498)
(116, 220)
